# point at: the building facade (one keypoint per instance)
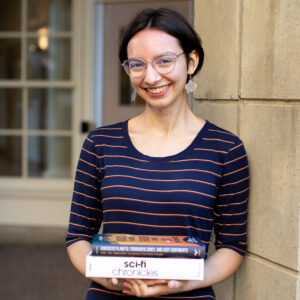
(60, 76)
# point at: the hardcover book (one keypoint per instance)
(144, 267)
(147, 246)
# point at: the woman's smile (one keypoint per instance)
(158, 91)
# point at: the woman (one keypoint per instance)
(165, 171)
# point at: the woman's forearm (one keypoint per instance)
(217, 268)
(78, 252)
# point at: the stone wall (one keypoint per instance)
(250, 85)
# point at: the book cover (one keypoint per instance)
(147, 245)
(144, 267)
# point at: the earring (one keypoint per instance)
(191, 85)
(133, 96)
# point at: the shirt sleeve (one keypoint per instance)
(230, 213)
(86, 207)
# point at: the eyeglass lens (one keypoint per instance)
(162, 64)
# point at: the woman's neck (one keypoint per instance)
(162, 134)
(166, 122)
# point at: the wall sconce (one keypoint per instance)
(43, 38)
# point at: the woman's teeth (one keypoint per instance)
(157, 90)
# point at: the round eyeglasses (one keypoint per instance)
(163, 64)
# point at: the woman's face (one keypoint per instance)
(158, 90)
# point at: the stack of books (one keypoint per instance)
(146, 256)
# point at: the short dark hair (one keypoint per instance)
(169, 21)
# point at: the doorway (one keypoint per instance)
(111, 85)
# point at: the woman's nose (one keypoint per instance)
(151, 75)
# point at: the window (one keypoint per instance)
(36, 89)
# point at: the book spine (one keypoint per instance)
(147, 267)
(148, 251)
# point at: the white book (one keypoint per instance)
(144, 267)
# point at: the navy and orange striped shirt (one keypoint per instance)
(203, 188)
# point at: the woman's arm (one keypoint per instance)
(78, 252)
(218, 267)
(86, 211)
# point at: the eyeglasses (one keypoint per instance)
(163, 64)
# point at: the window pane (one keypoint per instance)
(10, 108)
(52, 14)
(52, 63)
(49, 157)
(10, 156)
(50, 109)
(10, 15)
(10, 58)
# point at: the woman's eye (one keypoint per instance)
(164, 61)
(135, 65)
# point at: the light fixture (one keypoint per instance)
(43, 38)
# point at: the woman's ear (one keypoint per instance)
(193, 62)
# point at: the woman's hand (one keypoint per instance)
(218, 267)
(152, 288)
(113, 284)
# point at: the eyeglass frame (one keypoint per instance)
(151, 62)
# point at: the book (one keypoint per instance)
(147, 245)
(144, 267)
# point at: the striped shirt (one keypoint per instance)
(201, 189)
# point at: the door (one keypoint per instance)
(38, 124)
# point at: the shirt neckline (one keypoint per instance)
(136, 153)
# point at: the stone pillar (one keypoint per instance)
(250, 85)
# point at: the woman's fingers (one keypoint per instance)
(137, 287)
(175, 284)
(151, 282)
(142, 287)
(129, 288)
(152, 288)
(113, 281)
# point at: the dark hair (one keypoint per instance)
(169, 21)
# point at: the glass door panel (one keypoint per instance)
(49, 157)
(52, 14)
(10, 155)
(36, 88)
(10, 58)
(10, 15)
(10, 108)
(51, 60)
(50, 109)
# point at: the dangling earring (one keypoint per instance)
(133, 95)
(191, 85)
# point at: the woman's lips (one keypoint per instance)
(158, 91)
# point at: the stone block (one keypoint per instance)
(225, 289)
(270, 55)
(271, 134)
(217, 23)
(220, 113)
(260, 280)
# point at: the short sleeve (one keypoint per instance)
(86, 207)
(230, 213)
